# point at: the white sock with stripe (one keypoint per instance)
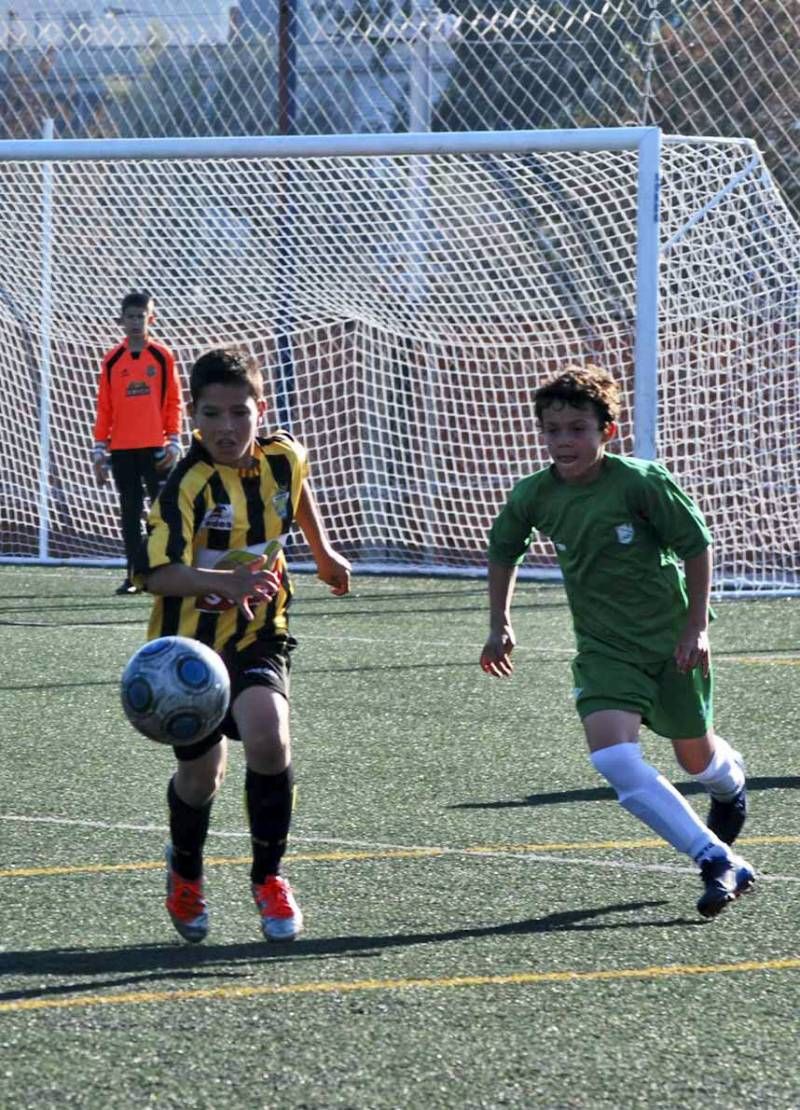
(724, 776)
(645, 793)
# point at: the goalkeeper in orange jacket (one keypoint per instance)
(138, 420)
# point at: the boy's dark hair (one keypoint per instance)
(137, 298)
(226, 366)
(581, 387)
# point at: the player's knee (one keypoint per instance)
(695, 754)
(198, 781)
(268, 753)
(624, 767)
(713, 760)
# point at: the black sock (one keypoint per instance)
(270, 799)
(188, 828)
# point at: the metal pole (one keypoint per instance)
(45, 290)
(419, 81)
(287, 121)
(287, 66)
(645, 412)
(419, 120)
(327, 146)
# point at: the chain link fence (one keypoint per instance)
(210, 67)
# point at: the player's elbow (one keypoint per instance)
(157, 581)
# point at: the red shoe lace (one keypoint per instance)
(185, 900)
(274, 898)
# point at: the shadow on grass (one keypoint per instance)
(174, 962)
(606, 794)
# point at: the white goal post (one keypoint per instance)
(406, 294)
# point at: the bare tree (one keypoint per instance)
(730, 69)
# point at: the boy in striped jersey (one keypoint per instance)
(621, 528)
(214, 561)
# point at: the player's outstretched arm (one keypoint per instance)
(693, 649)
(496, 654)
(241, 584)
(332, 568)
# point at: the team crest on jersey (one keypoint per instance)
(151, 371)
(624, 533)
(280, 502)
(220, 516)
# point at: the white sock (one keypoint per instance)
(724, 776)
(654, 800)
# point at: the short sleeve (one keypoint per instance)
(170, 532)
(512, 532)
(295, 458)
(671, 513)
(299, 457)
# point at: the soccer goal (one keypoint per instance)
(405, 295)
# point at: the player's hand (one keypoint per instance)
(496, 654)
(168, 455)
(251, 585)
(100, 464)
(693, 650)
(335, 572)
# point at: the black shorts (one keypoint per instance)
(263, 663)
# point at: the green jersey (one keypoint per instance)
(619, 541)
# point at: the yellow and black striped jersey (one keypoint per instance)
(208, 515)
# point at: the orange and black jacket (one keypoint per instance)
(138, 397)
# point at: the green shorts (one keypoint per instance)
(678, 706)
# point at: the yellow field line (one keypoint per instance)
(523, 978)
(350, 856)
(225, 861)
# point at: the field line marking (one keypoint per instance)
(543, 853)
(523, 978)
(226, 861)
(372, 845)
(761, 661)
(777, 658)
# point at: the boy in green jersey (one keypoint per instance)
(622, 528)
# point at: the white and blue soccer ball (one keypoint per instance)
(175, 690)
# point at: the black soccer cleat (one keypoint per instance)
(725, 880)
(126, 588)
(726, 819)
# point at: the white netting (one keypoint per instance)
(730, 352)
(423, 300)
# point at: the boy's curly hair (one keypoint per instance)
(580, 387)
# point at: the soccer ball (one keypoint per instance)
(175, 690)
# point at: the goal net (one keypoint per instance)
(405, 296)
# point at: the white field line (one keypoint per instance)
(506, 852)
(768, 659)
(787, 657)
